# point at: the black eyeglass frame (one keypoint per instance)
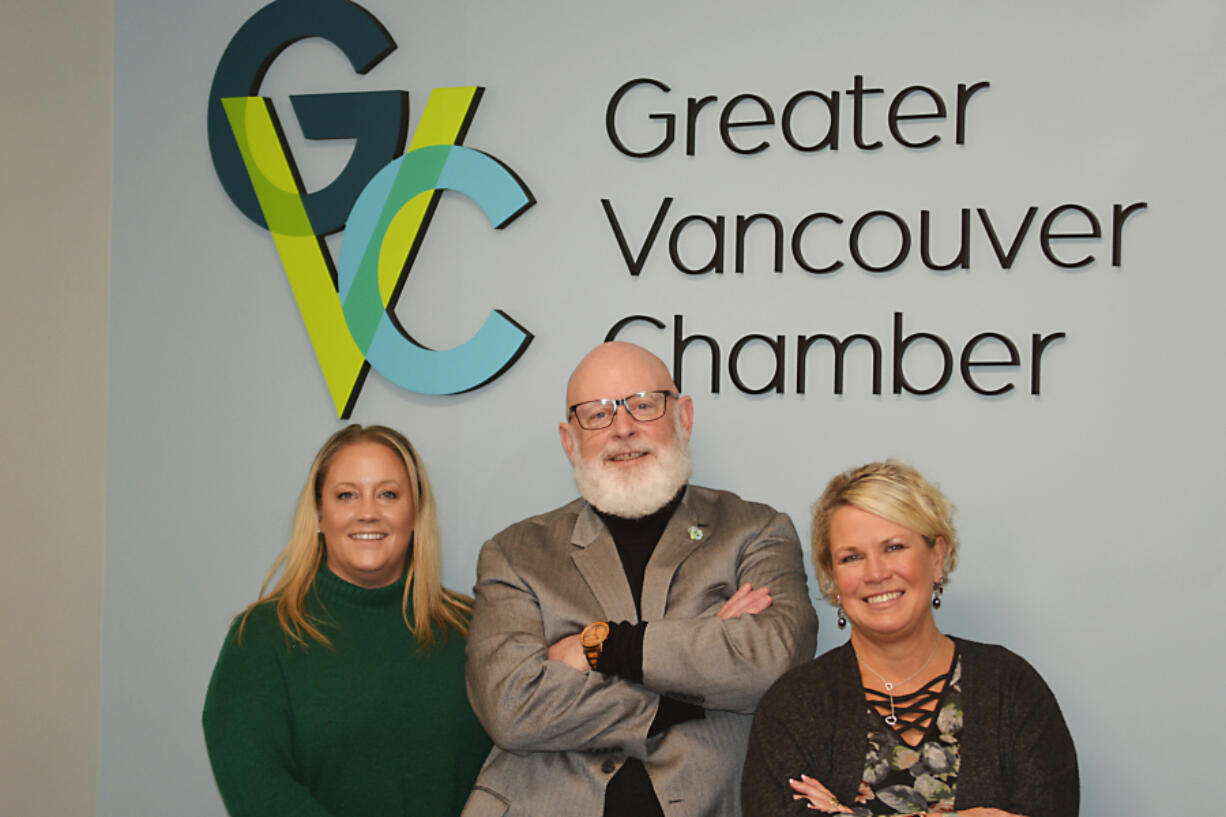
(570, 412)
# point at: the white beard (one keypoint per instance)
(634, 492)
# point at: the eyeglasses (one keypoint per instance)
(645, 406)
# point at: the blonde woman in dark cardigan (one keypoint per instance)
(903, 719)
(340, 692)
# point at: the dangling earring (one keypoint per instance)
(937, 589)
(842, 619)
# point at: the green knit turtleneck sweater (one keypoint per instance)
(371, 727)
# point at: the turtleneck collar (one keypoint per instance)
(657, 521)
(332, 588)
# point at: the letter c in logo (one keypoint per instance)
(388, 348)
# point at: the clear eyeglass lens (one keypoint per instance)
(645, 406)
(597, 414)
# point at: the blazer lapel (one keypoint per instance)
(683, 535)
(595, 557)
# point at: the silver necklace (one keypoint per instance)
(892, 719)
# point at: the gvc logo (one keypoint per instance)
(383, 199)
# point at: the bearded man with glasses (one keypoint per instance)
(620, 644)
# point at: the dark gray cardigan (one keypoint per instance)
(1017, 754)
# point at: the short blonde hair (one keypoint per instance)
(434, 607)
(894, 491)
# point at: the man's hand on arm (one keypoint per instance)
(727, 661)
(528, 703)
(745, 600)
(569, 652)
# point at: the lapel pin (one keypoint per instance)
(696, 534)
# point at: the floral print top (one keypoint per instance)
(903, 779)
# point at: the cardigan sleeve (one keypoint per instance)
(775, 754)
(248, 728)
(806, 724)
(1040, 759)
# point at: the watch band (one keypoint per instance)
(592, 640)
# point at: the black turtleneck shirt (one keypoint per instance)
(630, 793)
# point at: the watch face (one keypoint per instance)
(594, 634)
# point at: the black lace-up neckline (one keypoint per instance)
(914, 710)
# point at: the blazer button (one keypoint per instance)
(609, 766)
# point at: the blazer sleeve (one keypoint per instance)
(248, 729)
(730, 664)
(528, 703)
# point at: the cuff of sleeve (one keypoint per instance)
(622, 653)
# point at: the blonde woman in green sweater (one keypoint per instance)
(340, 691)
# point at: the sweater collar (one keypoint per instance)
(333, 589)
(650, 526)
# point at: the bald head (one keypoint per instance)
(630, 467)
(616, 369)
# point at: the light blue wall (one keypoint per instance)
(1090, 541)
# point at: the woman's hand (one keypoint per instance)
(977, 811)
(819, 797)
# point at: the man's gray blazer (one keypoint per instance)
(560, 734)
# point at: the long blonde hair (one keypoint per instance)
(434, 606)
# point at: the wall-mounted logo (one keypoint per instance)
(384, 200)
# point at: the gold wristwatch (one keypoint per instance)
(592, 640)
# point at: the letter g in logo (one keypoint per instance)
(383, 200)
